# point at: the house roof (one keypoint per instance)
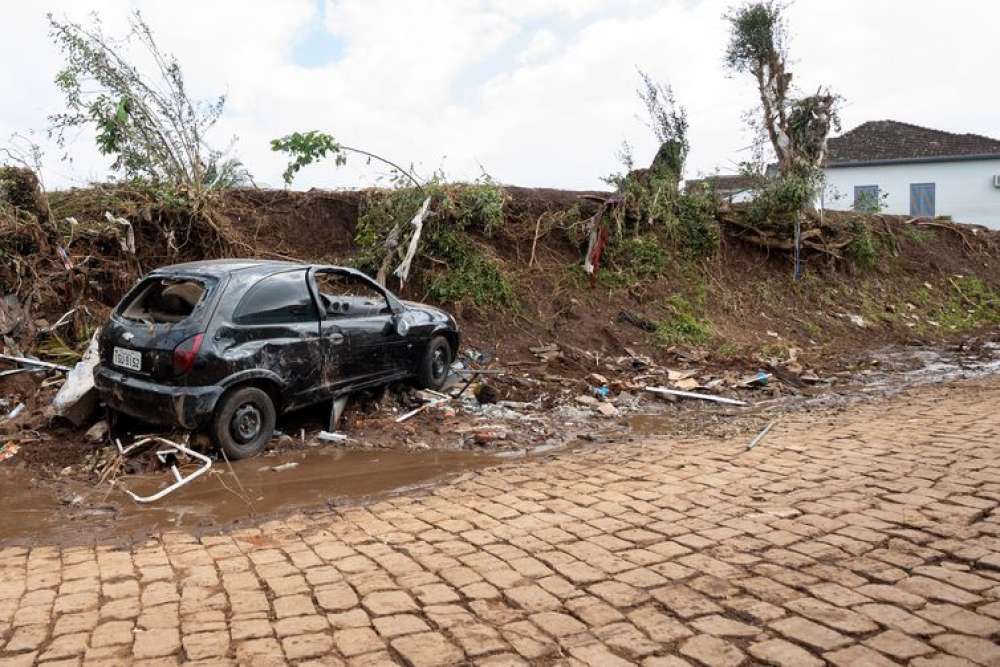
(883, 141)
(724, 182)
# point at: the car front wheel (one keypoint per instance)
(243, 422)
(434, 365)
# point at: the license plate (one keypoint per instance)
(129, 359)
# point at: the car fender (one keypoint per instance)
(251, 375)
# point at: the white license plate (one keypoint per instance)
(129, 359)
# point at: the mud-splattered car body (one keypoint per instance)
(188, 335)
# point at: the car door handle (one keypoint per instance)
(337, 338)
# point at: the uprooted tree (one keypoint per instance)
(649, 201)
(796, 128)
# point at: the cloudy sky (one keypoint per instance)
(534, 92)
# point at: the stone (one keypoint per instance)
(783, 654)
(427, 649)
(712, 651)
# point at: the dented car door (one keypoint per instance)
(275, 329)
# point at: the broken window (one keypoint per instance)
(347, 295)
(165, 300)
(277, 299)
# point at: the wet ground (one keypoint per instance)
(251, 489)
(74, 510)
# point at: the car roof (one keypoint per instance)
(221, 267)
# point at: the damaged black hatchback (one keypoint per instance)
(227, 345)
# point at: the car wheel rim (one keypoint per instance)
(438, 363)
(246, 423)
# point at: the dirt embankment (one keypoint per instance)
(923, 283)
(735, 312)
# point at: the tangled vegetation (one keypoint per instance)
(457, 268)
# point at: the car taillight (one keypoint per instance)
(185, 354)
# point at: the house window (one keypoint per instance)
(922, 200)
(866, 198)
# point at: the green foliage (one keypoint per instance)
(632, 260)
(757, 34)
(146, 121)
(305, 148)
(460, 270)
(865, 249)
(782, 198)
(683, 324)
(697, 230)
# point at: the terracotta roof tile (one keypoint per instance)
(892, 140)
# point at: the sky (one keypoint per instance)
(532, 92)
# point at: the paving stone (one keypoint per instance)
(978, 650)
(858, 656)
(898, 645)
(960, 620)
(112, 633)
(532, 598)
(782, 653)
(309, 645)
(596, 655)
(355, 641)
(712, 651)
(807, 632)
(427, 649)
(388, 602)
(156, 643)
(206, 645)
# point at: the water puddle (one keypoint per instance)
(78, 513)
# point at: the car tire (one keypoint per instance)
(243, 422)
(435, 364)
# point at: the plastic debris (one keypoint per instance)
(167, 456)
(691, 394)
(8, 450)
(77, 398)
(760, 436)
(331, 437)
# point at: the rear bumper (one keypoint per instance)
(185, 407)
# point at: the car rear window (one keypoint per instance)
(165, 300)
(281, 298)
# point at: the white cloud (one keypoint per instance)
(540, 92)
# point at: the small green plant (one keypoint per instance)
(865, 248)
(683, 324)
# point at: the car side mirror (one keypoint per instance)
(401, 324)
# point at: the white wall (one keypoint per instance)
(963, 190)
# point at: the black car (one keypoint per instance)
(227, 345)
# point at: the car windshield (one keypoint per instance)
(165, 300)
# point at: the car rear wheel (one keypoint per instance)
(434, 365)
(243, 422)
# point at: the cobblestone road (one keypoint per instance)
(869, 537)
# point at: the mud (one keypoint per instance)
(75, 512)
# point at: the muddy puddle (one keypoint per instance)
(255, 488)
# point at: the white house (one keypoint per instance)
(910, 170)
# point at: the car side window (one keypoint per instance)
(277, 299)
(347, 295)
